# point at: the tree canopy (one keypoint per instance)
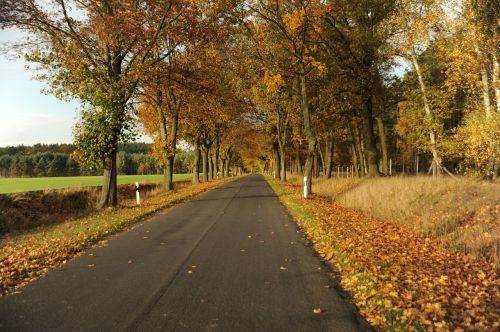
(376, 87)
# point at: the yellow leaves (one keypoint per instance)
(293, 21)
(272, 82)
(27, 257)
(443, 279)
(395, 275)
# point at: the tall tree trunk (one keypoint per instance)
(316, 164)
(210, 166)
(109, 194)
(282, 126)
(216, 154)
(358, 148)
(329, 157)
(222, 167)
(169, 143)
(311, 138)
(369, 138)
(204, 157)
(496, 80)
(226, 166)
(367, 127)
(276, 159)
(174, 123)
(355, 159)
(163, 136)
(436, 159)
(196, 174)
(170, 173)
(282, 163)
(485, 84)
(298, 162)
(383, 145)
(321, 158)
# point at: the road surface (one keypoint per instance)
(229, 260)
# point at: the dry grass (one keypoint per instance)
(463, 212)
(24, 211)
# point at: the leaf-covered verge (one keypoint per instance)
(464, 213)
(26, 257)
(399, 279)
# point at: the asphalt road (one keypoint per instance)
(230, 260)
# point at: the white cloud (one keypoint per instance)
(31, 128)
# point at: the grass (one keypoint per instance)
(25, 257)
(14, 185)
(463, 212)
(400, 279)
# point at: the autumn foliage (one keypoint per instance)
(399, 279)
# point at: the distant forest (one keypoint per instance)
(41, 160)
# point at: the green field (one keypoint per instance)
(13, 185)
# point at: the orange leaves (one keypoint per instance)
(26, 257)
(399, 279)
(272, 81)
(294, 20)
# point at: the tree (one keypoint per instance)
(94, 51)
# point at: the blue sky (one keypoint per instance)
(26, 115)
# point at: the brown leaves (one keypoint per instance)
(26, 257)
(398, 278)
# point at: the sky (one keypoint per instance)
(26, 115)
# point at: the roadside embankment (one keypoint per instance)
(463, 213)
(398, 278)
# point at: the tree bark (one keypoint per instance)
(173, 144)
(226, 166)
(369, 139)
(485, 84)
(329, 157)
(436, 159)
(311, 137)
(282, 126)
(216, 155)
(196, 174)
(109, 194)
(383, 145)
(170, 173)
(355, 159)
(174, 125)
(298, 162)
(358, 148)
(204, 156)
(163, 137)
(496, 80)
(210, 166)
(282, 163)
(276, 159)
(222, 167)
(316, 164)
(321, 158)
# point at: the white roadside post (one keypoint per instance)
(137, 195)
(305, 186)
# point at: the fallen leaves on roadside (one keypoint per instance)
(398, 278)
(26, 257)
